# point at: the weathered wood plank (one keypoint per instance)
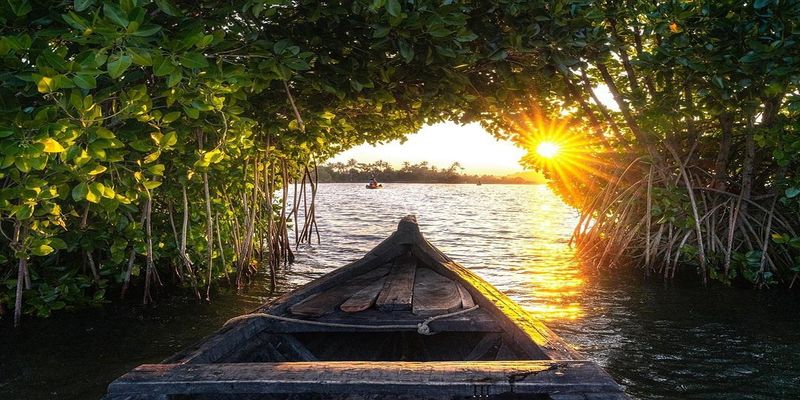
(590, 396)
(489, 342)
(288, 344)
(398, 289)
(395, 245)
(429, 378)
(434, 294)
(328, 301)
(221, 343)
(505, 352)
(364, 298)
(466, 298)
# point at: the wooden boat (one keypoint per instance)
(404, 321)
(380, 186)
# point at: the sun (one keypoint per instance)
(548, 149)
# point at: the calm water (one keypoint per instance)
(660, 341)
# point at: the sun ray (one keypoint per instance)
(571, 154)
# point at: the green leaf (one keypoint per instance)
(467, 37)
(141, 145)
(141, 57)
(171, 117)
(82, 158)
(297, 64)
(163, 67)
(381, 31)
(151, 157)
(280, 46)
(193, 60)
(108, 192)
(79, 191)
(45, 84)
(81, 5)
(117, 64)
(213, 156)
(97, 170)
(147, 30)
(75, 21)
(41, 249)
(152, 184)
(406, 51)
(115, 14)
(22, 164)
(170, 139)
(57, 243)
(104, 133)
(157, 169)
(85, 81)
(393, 7)
(174, 78)
(96, 190)
(439, 31)
(792, 192)
(168, 8)
(24, 211)
(52, 146)
(192, 112)
(20, 7)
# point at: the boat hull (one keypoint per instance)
(405, 319)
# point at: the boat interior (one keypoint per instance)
(399, 296)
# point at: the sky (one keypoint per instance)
(441, 145)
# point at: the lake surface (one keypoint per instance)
(670, 341)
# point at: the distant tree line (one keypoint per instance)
(423, 172)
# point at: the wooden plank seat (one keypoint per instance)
(434, 294)
(326, 302)
(398, 290)
(425, 378)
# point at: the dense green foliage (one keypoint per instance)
(143, 140)
(693, 159)
(423, 172)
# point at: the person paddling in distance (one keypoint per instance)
(372, 182)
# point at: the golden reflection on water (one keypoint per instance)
(554, 277)
(556, 284)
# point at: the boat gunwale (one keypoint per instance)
(440, 378)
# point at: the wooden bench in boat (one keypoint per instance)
(403, 320)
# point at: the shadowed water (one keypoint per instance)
(658, 341)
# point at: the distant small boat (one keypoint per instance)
(380, 186)
(405, 320)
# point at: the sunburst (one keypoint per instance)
(562, 149)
